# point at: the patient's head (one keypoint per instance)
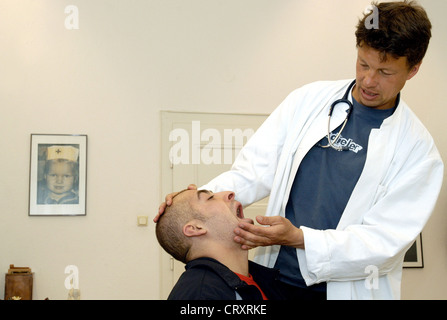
(198, 220)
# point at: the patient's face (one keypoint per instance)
(221, 203)
(220, 210)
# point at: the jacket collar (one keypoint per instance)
(261, 275)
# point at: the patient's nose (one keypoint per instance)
(226, 195)
(230, 195)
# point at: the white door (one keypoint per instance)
(196, 147)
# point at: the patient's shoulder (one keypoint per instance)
(203, 280)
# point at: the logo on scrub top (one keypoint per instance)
(343, 142)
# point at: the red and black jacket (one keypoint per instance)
(208, 279)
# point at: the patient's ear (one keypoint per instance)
(194, 228)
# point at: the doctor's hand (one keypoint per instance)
(274, 231)
(168, 201)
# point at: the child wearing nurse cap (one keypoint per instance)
(61, 174)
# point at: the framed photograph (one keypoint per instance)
(58, 175)
(413, 258)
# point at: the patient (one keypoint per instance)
(197, 229)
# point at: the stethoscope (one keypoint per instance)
(348, 112)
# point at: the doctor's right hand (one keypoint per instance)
(168, 202)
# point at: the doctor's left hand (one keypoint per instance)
(274, 231)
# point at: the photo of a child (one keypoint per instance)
(58, 174)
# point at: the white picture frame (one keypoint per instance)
(58, 175)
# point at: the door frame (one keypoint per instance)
(168, 119)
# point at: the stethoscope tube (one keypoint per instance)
(348, 113)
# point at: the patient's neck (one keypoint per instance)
(234, 258)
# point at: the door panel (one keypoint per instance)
(197, 147)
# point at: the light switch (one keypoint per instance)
(142, 220)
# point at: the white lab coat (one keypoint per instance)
(388, 208)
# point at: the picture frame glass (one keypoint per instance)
(413, 257)
(58, 175)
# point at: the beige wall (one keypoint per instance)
(110, 78)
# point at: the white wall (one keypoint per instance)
(109, 79)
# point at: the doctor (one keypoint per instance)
(348, 194)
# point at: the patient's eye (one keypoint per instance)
(209, 193)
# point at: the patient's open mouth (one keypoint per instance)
(240, 211)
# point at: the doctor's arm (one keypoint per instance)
(386, 231)
(381, 239)
(252, 173)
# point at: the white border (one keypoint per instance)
(60, 209)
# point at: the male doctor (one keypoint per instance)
(348, 200)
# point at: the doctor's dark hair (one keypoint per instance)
(169, 229)
(403, 30)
